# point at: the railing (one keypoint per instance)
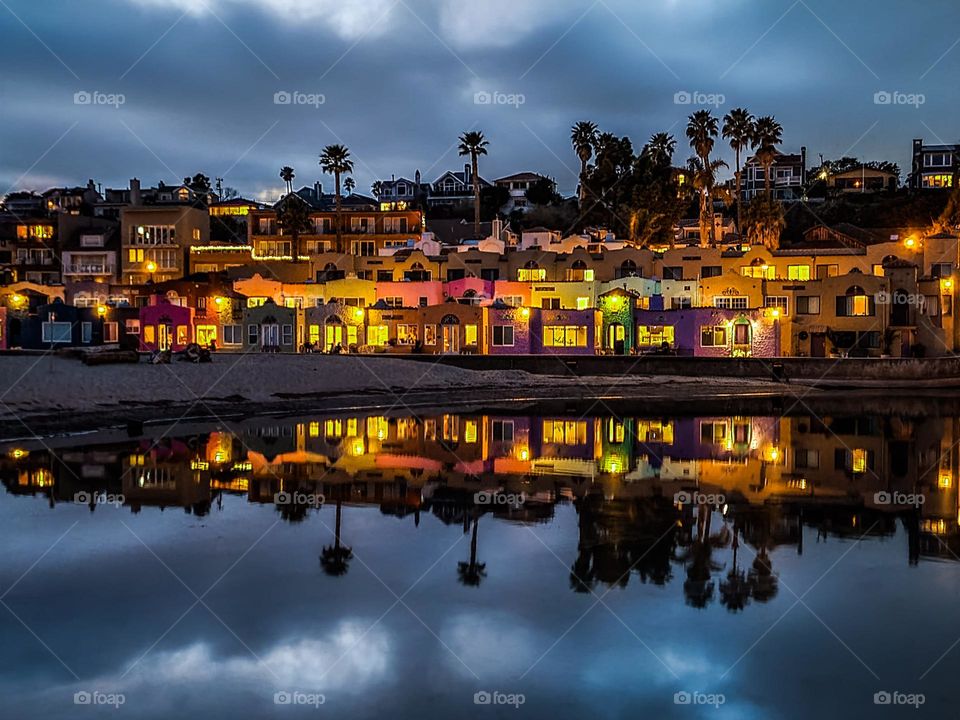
(89, 269)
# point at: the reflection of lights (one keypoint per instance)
(773, 454)
(218, 457)
(946, 481)
(356, 447)
(524, 454)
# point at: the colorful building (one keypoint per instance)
(165, 326)
(709, 332)
(616, 308)
(272, 328)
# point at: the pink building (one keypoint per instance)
(470, 290)
(164, 326)
(411, 294)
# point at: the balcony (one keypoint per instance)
(90, 269)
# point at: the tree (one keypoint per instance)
(376, 188)
(472, 573)
(702, 128)
(738, 129)
(583, 135)
(293, 217)
(199, 183)
(763, 222)
(230, 192)
(543, 192)
(335, 160)
(704, 179)
(661, 148)
(474, 144)
(287, 174)
(335, 558)
(767, 134)
(349, 184)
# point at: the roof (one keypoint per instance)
(460, 176)
(453, 231)
(781, 159)
(520, 176)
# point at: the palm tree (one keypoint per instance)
(349, 184)
(335, 160)
(702, 128)
(293, 217)
(767, 134)
(376, 188)
(738, 128)
(661, 148)
(583, 135)
(474, 144)
(763, 221)
(704, 179)
(472, 573)
(335, 558)
(286, 173)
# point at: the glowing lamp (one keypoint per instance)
(151, 267)
(910, 242)
(101, 310)
(775, 313)
(525, 312)
(16, 298)
(947, 284)
(358, 314)
(218, 301)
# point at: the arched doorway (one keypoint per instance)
(269, 332)
(742, 338)
(617, 338)
(333, 333)
(628, 268)
(450, 334)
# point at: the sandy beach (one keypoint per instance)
(40, 392)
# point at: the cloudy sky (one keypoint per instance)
(159, 89)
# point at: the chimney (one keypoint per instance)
(496, 228)
(318, 190)
(135, 192)
(416, 179)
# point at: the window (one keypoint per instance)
(531, 274)
(232, 334)
(937, 159)
(761, 272)
(470, 335)
(502, 430)
(808, 305)
(153, 235)
(565, 335)
(503, 335)
(429, 334)
(394, 302)
(713, 433)
(941, 270)
(196, 234)
(856, 303)
(56, 332)
(363, 248)
(673, 272)
(511, 300)
(565, 432)
(938, 181)
(654, 336)
(377, 335)
(132, 327)
(89, 241)
(253, 333)
(777, 301)
(149, 334)
(407, 334)
(86, 332)
(709, 271)
(384, 275)
(253, 302)
(182, 335)
(798, 272)
(827, 271)
(731, 302)
(681, 303)
(287, 331)
(583, 303)
(713, 336)
(804, 459)
(272, 248)
(550, 303)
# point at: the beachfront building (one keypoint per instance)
(156, 240)
(57, 324)
(165, 325)
(335, 327)
(453, 328)
(272, 328)
(709, 332)
(617, 322)
(29, 248)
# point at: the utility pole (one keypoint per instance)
(220, 189)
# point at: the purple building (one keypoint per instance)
(710, 332)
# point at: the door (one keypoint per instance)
(616, 338)
(270, 335)
(742, 339)
(164, 337)
(333, 337)
(451, 338)
(818, 345)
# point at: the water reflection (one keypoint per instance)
(658, 500)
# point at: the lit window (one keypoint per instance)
(470, 334)
(583, 303)
(798, 272)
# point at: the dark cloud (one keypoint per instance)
(399, 81)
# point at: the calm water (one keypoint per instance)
(568, 567)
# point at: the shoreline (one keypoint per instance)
(47, 395)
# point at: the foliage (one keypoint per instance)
(764, 221)
(543, 192)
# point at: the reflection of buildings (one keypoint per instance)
(775, 476)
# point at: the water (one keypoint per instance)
(754, 567)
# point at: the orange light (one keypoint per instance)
(151, 267)
(525, 312)
(101, 310)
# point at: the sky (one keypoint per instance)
(161, 89)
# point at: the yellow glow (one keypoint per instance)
(101, 309)
(17, 453)
(946, 481)
(218, 301)
(773, 454)
(151, 266)
(775, 313)
(16, 298)
(358, 314)
(524, 454)
(525, 312)
(946, 284)
(910, 242)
